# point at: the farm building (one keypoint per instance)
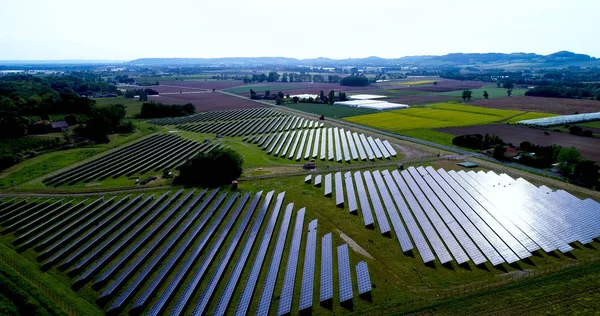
(372, 104)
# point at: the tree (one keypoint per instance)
(498, 152)
(597, 94)
(215, 168)
(295, 99)
(103, 121)
(343, 96)
(575, 130)
(508, 84)
(278, 100)
(435, 83)
(498, 84)
(586, 171)
(130, 94)
(267, 93)
(568, 158)
(485, 94)
(509, 92)
(273, 77)
(331, 97)
(143, 96)
(466, 94)
(280, 94)
(321, 95)
(252, 94)
(355, 81)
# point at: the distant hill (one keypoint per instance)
(558, 59)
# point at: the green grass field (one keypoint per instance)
(390, 92)
(595, 124)
(493, 91)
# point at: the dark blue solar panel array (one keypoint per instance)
(180, 251)
(328, 186)
(359, 147)
(267, 292)
(301, 145)
(162, 252)
(382, 222)
(365, 207)
(326, 285)
(399, 229)
(339, 190)
(309, 143)
(338, 146)
(363, 278)
(344, 143)
(241, 261)
(353, 151)
(193, 283)
(323, 144)
(206, 296)
(287, 292)
(344, 277)
(248, 291)
(352, 205)
(308, 273)
(330, 150)
(191, 258)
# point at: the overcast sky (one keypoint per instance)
(130, 29)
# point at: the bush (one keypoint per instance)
(216, 168)
(355, 81)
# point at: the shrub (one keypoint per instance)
(213, 169)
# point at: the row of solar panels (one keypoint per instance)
(226, 115)
(252, 126)
(157, 152)
(130, 247)
(335, 144)
(460, 216)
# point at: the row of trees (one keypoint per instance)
(157, 110)
(291, 77)
(562, 91)
(468, 94)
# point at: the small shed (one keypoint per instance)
(60, 126)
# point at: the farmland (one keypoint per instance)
(539, 104)
(206, 101)
(439, 115)
(589, 147)
(493, 92)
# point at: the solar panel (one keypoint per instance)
(243, 257)
(207, 294)
(452, 228)
(330, 151)
(287, 144)
(428, 230)
(352, 205)
(309, 143)
(315, 150)
(399, 229)
(353, 151)
(274, 143)
(413, 228)
(376, 150)
(491, 227)
(389, 148)
(308, 179)
(318, 180)
(287, 292)
(326, 288)
(209, 257)
(301, 147)
(328, 189)
(367, 147)
(362, 277)
(359, 147)
(365, 208)
(323, 147)
(344, 277)
(339, 190)
(382, 148)
(384, 225)
(248, 291)
(338, 147)
(308, 273)
(179, 253)
(267, 292)
(451, 244)
(295, 145)
(344, 145)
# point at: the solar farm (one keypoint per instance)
(366, 232)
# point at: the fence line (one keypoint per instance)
(66, 307)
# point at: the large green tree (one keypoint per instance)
(216, 168)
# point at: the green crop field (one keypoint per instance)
(493, 91)
(133, 106)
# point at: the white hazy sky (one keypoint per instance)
(130, 29)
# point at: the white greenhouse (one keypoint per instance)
(372, 104)
(562, 120)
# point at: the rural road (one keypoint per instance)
(419, 141)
